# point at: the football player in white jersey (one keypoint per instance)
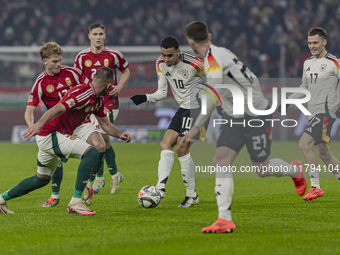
(183, 72)
(321, 74)
(223, 67)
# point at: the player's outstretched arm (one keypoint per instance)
(50, 114)
(111, 129)
(138, 99)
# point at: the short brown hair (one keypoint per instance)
(49, 49)
(197, 31)
(318, 31)
(96, 25)
(104, 74)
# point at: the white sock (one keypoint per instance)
(188, 174)
(75, 200)
(55, 196)
(314, 178)
(285, 168)
(100, 178)
(224, 189)
(164, 167)
(2, 200)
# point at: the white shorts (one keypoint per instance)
(111, 115)
(84, 131)
(57, 147)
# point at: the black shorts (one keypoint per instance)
(183, 120)
(257, 139)
(319, 127)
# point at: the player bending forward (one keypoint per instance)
(223, 67)
(55, 140)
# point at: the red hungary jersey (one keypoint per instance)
(80, 102)
(50, 89)
(89, 63)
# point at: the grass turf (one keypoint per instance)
(270, 217)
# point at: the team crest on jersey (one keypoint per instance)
(87, 109)
(68, 81)
(72, 137)
(30, 99)
(70, 102)
(323, 67)
(106, 62)
(88, 63)
(185, 73)
(50, 88)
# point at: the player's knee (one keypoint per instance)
(304, 147)
(164, 145)
(41, 181)
(324, 155)
(100, 145)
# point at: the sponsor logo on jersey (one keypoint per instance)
(70, 102)
(88, 63)
(97, 63)
(87, 109)
(50, 88)
(323, 67)
(168, 74)
(308, 69)
(106, 62)
(30, 99)
(68, 81)
(185, 73)
(72, 137)
(60, 86)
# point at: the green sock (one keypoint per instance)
(110, 157)
(85, 168)
(77, 193)
(25, 186)
(97, 165)
(56, 180)
(101, 170)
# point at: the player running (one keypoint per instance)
(223, 67)
(183, 72)
(321, 74)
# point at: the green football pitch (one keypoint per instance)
(270, 217)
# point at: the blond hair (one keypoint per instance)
(50, 49)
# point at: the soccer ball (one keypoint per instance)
(149, 197)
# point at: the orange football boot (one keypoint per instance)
(299, 179)
(220, 226)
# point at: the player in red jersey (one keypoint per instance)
(89, 61)
(55, 140)
(50, 87)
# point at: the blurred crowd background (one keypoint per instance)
(252, 29)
